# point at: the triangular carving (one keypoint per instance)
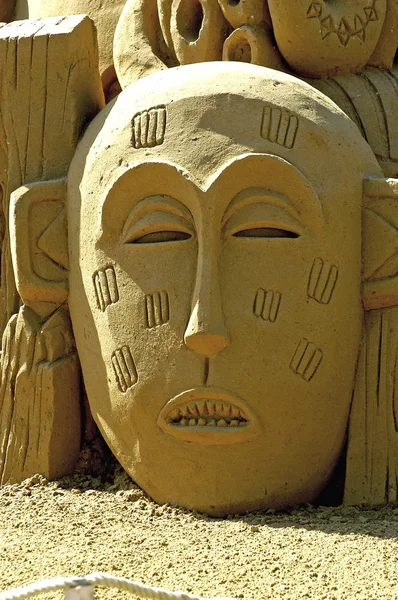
(314, 11)
(327, 27)
(380, 242)
(358, 24)
(359, 28)
(371, 14)
(53, 241)
(344, 32)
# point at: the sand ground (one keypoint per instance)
(79, 525)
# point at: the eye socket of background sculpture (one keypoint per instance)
(253, 44)
(190, 19)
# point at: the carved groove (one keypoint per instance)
(306, 359)
(157, 309)
(105, 285)
(266, 304)
(149, 127)
(322, 281)
(124, 368)
(279, 126)
(343, 29)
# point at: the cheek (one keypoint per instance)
(160, 278)
(291, 309)
(141, 306)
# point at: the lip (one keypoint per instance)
(208, 415)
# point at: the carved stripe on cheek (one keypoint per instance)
(306, 359)
(157, 309)
(322, 281)
(267, 304)
(105, 286)
(124, 368)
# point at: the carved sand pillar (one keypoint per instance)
(105, 14)
(50, 88)
(372, 456)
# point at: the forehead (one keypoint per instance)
(199, 128)
(202, 139)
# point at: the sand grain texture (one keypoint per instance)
(79, 525)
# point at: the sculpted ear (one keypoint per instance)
(380, 243)
(39, 245)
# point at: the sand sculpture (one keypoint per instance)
(105, 14)
(217, 254)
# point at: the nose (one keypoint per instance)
(206, 333)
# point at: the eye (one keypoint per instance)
(158, 227)
(261, 219)
(266, 232)
(159, 237)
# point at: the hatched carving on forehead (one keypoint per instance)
(124, 368)
(279, 126)
(149, 127)
(306, 359)
(106, 288)
(266, 304)
(157, 309)
(322, 281)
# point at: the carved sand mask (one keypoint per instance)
(215, 283)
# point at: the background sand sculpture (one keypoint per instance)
(105, 15)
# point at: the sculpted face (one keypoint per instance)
(215, 249)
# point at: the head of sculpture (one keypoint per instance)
(215, 250)
(215, 277)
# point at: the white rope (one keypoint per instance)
(98, 579)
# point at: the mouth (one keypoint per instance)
(208, 415)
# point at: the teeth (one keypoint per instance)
(227, 410)
(193, 409)
(211, 408)
(208, 423)
(207, 413)
(185, 410)
(175, 414)
(235, 412)
(202, 407)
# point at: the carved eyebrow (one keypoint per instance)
(280, 183)
(252, 195)
(157, 203)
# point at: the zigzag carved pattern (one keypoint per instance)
(345, 29)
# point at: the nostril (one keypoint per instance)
(206, 344)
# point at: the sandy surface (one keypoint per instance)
(78, 525)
